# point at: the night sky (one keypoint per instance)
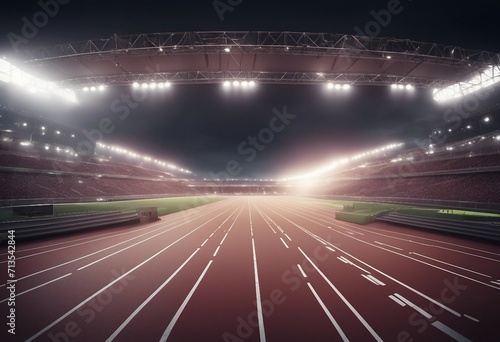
(201, 128)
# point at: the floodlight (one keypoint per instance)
(394, 86)
(251, 84)
(145, 86)
(486, 119)
(152, 85)
(47, 147)
(42, 128)
(236, 83)
(469, 126)
(86, 89)
(25, 124)
(101, 87)
(244, 84)
(135, 85)
(167, 84)
(400, 86)
(338, 86)
(92, 88)
(388, 57)
(227, 49)
(409, 87)
(161, 85)
(346, 86)
(329, 85)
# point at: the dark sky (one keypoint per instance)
(199, 127)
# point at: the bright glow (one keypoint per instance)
(498, 137)
(9, 73)
(251, 84)
(86, 89)
(236, 83)
(338, 86)
(339, 162)
(152, 85)
(25, 143)
(409, 87)
(93, 88)
(329, 85)
(25, 124)
(400, 86)
(167, 84)
(484, 79)
(58, 132)
(486, 119)
(469, 126)
(47, 147)
(227, 84)
(227, 49)
(145, 86)
(244, 84)
(101, 88)
(42, 128)
(135, 85)
(346, 86)
(388, 57)
(394, 86)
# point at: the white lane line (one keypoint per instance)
(450, 332)
(167, 332)
(375, 280)
(384, 244)
(222, 241)
(151, 296)
(370, 280)
(284, 243)
(471, 318)
(110, 284)
(416, 307)
(211, 234)
(149, 238)
(260, 316)
(204, 242)
(302, 271)
(446, 263)
(215, 253)
(288, 237)
(327, 312)
(330, 248)
(356, 313)
(351, 263)
(392, 278)
(396, 299)
(496, 282)
(36, 287)
(344, 260)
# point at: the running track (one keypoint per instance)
(254, 269)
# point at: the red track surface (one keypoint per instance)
(254, 269)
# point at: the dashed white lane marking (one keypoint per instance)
(396, 299)
(384, 244)
(217, 250)
(416, 307)
(302, 271)
(284, 243)
(450, 332)
(471, 318)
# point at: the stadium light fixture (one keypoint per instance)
(101, 87)
(135, 85)
(251, 83)
(227, 49)
(227, 84)
(486, 78)
(487, 119)
(152, 85)
(93, 88)
(145, 86)
(329, 85)
(236, 83)
(346, 86)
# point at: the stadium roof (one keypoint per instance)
(265, 57)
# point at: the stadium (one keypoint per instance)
(243, 184)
